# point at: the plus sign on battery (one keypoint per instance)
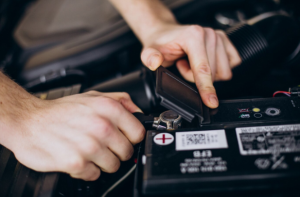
(163, 139)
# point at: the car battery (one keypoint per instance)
(248, 147)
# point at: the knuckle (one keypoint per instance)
(221, 33)
(113, 105)
(115, 166)
(218, 38)
(229, 77)
(196, 30)
(226, 77)
(105, 128)
(92, 92)
(236, 61)
(203, 68)
(206, 88)
(139, 135)
(128, 154)
(75, 176)
(91, 147)
(125, 95)
(95, 175)
(212, 34)
(76, 164)
(93, 102)
(210, 31)
(95, 124)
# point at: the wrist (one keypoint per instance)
(157, 33)
(16, 108)
(17, 122)
(149, 18)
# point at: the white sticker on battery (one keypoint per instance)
(269, 139)
(197, 140)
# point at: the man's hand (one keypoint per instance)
(211, 56)
(80, 134)
(210, 53)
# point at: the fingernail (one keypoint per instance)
(152, 60)
(139, 110)
(213, 100)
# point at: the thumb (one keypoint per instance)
(152, 58)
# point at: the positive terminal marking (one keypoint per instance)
(163, 139)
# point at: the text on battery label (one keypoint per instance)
(205, 153)
(269, 139)
(203, 165)
(194, 140)
(295, 127)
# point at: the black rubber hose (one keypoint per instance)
(140, 85)
(262, 42)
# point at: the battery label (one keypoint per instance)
(269, 139)
(197, 140)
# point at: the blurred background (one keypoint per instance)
(49, 44)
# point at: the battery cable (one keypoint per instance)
(119, 181)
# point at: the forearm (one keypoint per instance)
(15, 103)
(144, 16)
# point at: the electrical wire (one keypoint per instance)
(282, 92)
(119, 181)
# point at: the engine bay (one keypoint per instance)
(248, 146)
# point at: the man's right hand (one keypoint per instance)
(80, 134)
(211, 55)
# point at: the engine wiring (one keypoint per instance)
(282, 92)
(119, 181)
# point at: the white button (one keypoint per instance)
(257, 115)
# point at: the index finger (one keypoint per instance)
(194, 46)
(127, 123)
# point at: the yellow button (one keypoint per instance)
(256, 109)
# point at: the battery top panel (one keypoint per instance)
(251, 144)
